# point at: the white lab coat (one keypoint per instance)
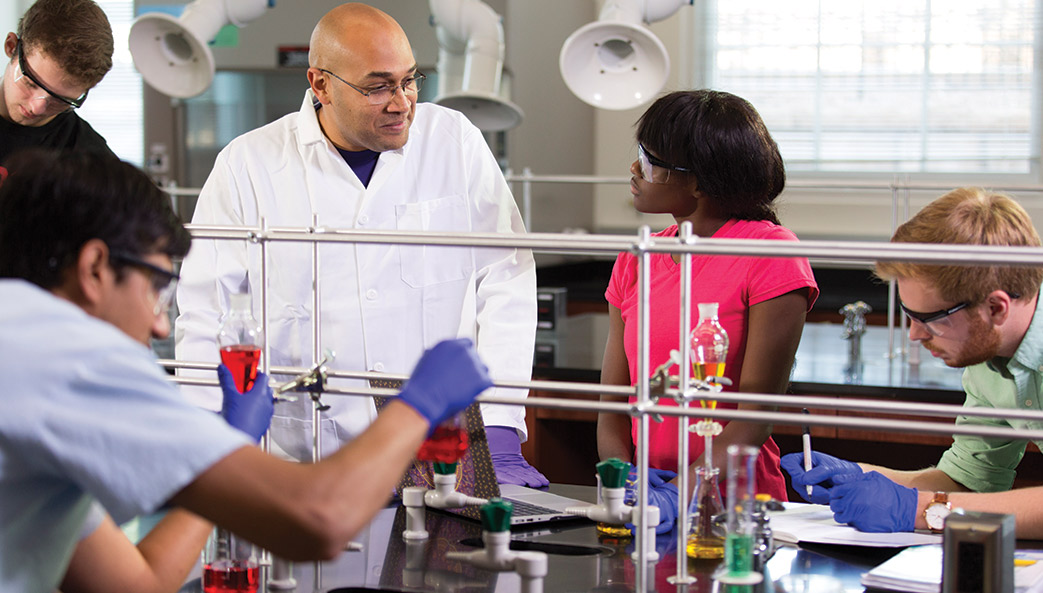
(381, 305)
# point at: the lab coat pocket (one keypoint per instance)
(292, 437)
(427, 265)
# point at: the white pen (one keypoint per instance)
(807, 449)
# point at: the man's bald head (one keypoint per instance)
(348, 30)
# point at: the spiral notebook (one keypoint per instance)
(475, 476)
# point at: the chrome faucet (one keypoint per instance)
(854, 327)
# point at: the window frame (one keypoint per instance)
(701, 44)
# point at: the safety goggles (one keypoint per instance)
(936, 323)
(33, 85)
(164, 282)
(654, 170)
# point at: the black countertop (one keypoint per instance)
(578, 560)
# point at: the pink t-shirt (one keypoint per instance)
(735, 283)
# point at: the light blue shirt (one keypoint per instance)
(990, 464)
(85, 415)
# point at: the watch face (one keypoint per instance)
(935, 515)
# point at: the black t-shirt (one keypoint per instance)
(66, 131)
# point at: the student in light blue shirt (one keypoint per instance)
(92, 432)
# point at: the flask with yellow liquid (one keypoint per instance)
(709, 344)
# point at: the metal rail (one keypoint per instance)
(643, 407)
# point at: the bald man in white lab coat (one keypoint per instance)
(362, 154)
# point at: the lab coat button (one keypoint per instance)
(363, 220)
(1028, 403)
(371, 294)
(378, 367)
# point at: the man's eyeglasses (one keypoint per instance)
(647, 163)
(383, 94)
(164, 282)
(937, 323)
(34, 84)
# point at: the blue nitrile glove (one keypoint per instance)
(510, 466)
(871, 502)
(661, 493)
(445, 381)
(250, 412)
(824, 468)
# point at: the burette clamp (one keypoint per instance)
(312, 381)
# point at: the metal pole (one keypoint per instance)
(685, 236)
(643, 287)
(316, 345)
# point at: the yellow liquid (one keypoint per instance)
(702, 370)
(705, 547)
(617, 531)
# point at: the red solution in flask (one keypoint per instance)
(242, 360)
(220, 577)
(446, 445)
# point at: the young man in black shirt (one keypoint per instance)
(62, 49)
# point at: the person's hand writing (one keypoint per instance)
(820, 476)
(871, 502)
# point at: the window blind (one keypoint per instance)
(115, 107)
(897, 86)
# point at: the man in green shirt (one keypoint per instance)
(979, 318)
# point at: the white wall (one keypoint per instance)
(10, 12)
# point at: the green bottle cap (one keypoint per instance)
(496, 515)
(613, 472)
(445, 468)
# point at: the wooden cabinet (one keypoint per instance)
(563, 443)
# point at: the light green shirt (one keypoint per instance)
(989, 464)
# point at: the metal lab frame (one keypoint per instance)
(643, 246)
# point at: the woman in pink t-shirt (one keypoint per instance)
(706, 157)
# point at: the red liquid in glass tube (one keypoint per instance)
(242, 360)
(447, 445)
(230, 579)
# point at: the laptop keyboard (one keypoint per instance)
(526, 509)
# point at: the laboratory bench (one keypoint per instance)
(579, 559)
(562, 443)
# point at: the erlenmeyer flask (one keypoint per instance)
(704, 540)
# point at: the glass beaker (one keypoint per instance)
(705, 540)
(229, 564)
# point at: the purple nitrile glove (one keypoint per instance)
(250, 412)
(871, 502)
(824, 468)
(510, 466)
(662, 494)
